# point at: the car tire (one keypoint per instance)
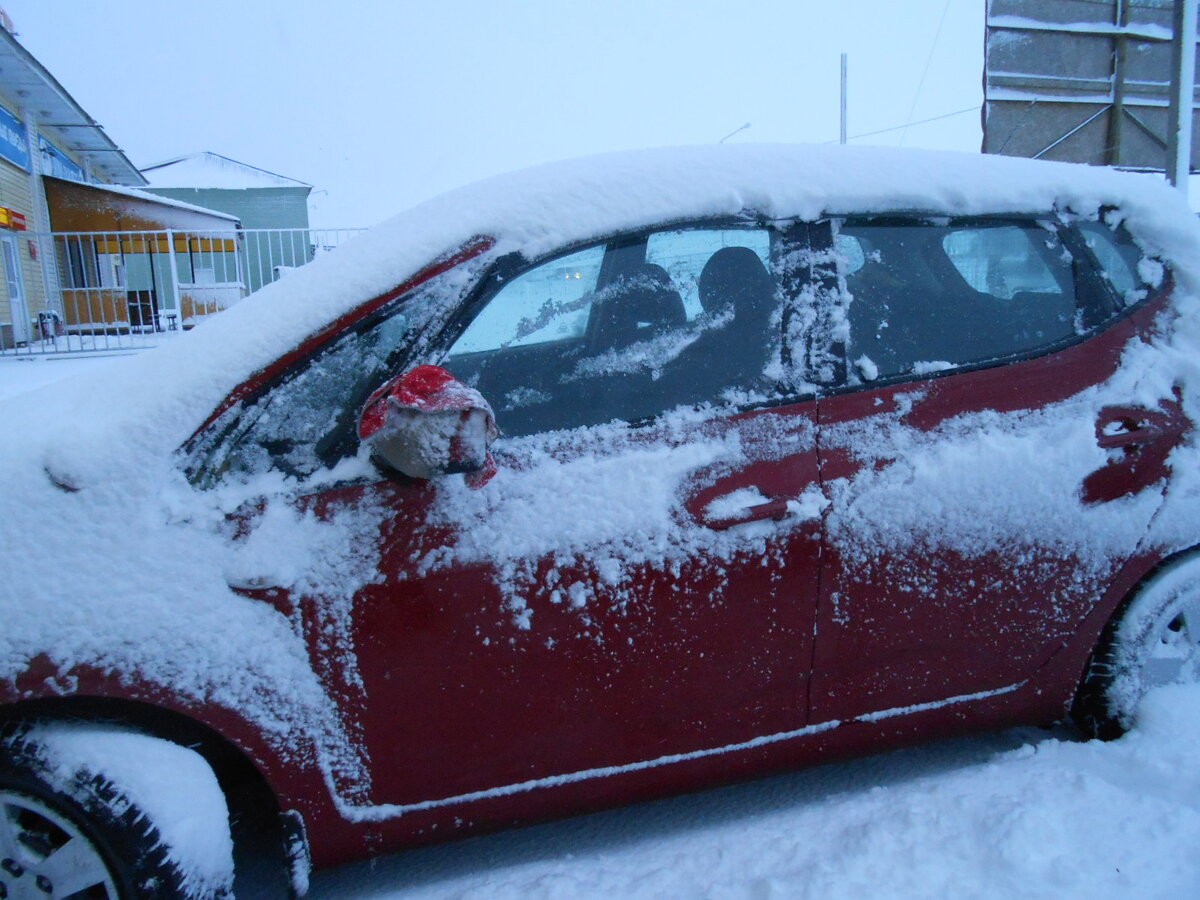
(1154, 640)
(113, 850)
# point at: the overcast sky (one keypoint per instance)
(382, 104)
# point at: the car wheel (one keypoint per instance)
(1154, 641)
(77, 834)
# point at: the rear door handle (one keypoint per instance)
(1144, 438)
(1134, 434)
(775, 510)
(1133, 426)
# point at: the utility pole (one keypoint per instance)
(843, 98)
(1183, 77)
(1116, 115)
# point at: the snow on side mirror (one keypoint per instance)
(427, 423)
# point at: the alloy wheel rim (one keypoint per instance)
(44, 855)
(1172, 651)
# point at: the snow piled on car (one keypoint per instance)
(114, 563)
(540, 210)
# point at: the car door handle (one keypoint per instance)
(1132, 436)
(1144, 438)
(264, 592)
(1132, 427)
(775, 510)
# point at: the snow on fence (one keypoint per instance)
(104, 290)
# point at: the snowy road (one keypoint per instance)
(1027, 813)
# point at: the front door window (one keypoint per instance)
(625, 332)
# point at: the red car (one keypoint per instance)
(592, 483)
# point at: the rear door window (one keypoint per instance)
(926, 296)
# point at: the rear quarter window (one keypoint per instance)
(1127, 271)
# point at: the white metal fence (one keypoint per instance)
(109, 290)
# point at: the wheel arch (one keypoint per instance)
(266, 837)
(1085, 708)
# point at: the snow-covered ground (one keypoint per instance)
(26, 372)
(1026, 813)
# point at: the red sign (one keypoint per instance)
(10, 218)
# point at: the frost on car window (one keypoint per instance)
(653, 322)
(953, 293)
(308, 419)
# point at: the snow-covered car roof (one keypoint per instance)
(162, 396)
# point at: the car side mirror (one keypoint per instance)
(426, 423)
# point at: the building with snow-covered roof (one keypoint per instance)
(42, 131)
(260, 199)
(272, 208)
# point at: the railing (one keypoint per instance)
(120, 290)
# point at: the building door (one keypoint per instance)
(18, 310)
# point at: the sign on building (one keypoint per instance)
(13, 144)
(1080, 80)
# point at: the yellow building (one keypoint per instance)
(60, 172)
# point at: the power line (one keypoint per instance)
(855, 137)
(732, 133)
(912, 109)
